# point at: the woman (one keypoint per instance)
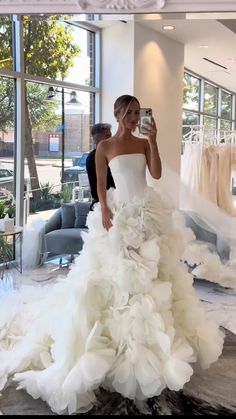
(126, 111)
(126, 317)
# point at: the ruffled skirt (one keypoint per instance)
(126, 317)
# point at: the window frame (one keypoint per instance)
(220, 89)
(20, 78)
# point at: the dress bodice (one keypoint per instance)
(129, 174)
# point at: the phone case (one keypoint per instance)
(145, 116)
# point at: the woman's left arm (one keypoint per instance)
(151, 151)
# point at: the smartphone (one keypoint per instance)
(145, 116)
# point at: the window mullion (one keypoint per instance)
(19, 118)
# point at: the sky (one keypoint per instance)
(80, 71)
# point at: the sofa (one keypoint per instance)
(63, 230)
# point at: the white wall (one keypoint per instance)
(139, 61)
(117, 71)
(158, 83)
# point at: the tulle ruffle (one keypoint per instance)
(126, 317)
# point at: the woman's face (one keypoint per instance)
(131, 118)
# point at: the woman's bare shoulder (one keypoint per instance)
(105, 146)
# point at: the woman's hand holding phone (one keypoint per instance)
(147, 125)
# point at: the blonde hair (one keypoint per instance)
(123, 103)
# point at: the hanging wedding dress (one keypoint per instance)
(207, 169)
(126, 317)
(226, 162)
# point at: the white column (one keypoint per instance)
(158, 84)
(117, 67)
(139, 61)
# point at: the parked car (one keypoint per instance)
(6, 179)
(71, 174)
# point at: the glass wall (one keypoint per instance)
(207, 104)
(210, 99)
(191, 92)
(63, 51)
(7, 135)
(58, 94)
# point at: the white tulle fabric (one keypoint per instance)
(126, 317)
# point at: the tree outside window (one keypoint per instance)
(191, 92)
(226, 105)
(210, 99)
(6, 55)
(48, 47)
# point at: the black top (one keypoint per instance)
(91, 170)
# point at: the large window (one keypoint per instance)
(210, 125)
(64, 51)
(189, 118)
(225, 125)
(191, 92)
(210, 99)
(7, 134)
(58, 96)
(207, 104)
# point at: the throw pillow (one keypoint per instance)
(67, 215)
(81, 212)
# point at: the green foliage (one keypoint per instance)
(46, 191)
(6, 251)
(42, 111)
(49, 48)
(66, 192)
(6, 42)
(210, 99)
(10, 210)
(49, 52)
(2, 208)
(6, 104)
(7, 208)
(191, 92)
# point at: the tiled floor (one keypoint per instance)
(211, 391)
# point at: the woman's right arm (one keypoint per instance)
(101, 172)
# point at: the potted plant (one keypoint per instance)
(7, 211)
(7, 214)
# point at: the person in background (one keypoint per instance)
(99, 132)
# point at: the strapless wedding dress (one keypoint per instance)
(126, 317)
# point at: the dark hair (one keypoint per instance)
(123, 102)
(99, 128)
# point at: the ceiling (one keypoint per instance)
(216, 31)
(214, 40)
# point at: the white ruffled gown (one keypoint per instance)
(126, 317)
